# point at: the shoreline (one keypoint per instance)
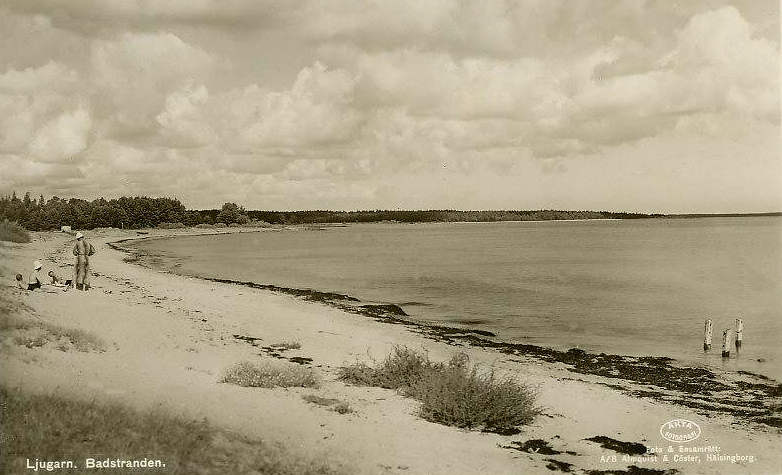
(656, 377)
(170, 337)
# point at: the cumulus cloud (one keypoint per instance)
(41, 112)
(368, 90)
(62, 137)
(467, 88)
(25, 172)
(183, 119)
(133, 74)
(52, 76)
(726, 66)
(315, 110)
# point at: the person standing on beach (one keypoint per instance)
(82, 250)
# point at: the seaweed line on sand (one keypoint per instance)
(753, 398)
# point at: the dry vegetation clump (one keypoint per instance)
(52, 427)
(12, 232)
(286, 345)
(332, 404)
(36, 333)
(342, 408)
(452, 393)
(270, 375)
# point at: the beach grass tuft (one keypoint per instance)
(332, 404)
(342, 408)
(52, 427)
(286, 345)
(36, 333)
(12, 232)
(270, 375)
(453, 393)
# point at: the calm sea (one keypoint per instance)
(635, 287)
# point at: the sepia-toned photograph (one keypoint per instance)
(390, 237)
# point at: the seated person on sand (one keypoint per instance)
(22, 284)
(34, 282)
(57, 281)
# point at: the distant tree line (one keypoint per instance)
(128, 212)
(38, 214)
(429, 216)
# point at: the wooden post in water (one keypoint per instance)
(726, 342)
(707, 331)
(739, 332)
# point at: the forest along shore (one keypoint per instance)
(170, 338)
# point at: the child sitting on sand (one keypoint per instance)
(34, 282)
(26, 286)
(57, 281)
(21, 283)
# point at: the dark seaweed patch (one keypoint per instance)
(385, 309)
(533, 446)
(302, 360)
(506, 431)
(629, 448)
(249, 339)
(558, 465)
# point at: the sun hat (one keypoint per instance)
(79, 235)
(37, 265)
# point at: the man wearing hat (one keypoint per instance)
(82, 250)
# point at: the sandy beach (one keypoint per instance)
(170, 338)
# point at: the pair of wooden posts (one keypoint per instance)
(727, 336)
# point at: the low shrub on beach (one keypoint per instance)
(52, 427)
(453, 393)
(204, 226)
(12, 232)
(270, 375)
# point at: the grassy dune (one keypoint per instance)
(50, 427)
(37, 333)
(12, 232)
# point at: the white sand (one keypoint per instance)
(170, 338)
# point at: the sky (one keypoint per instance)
(621, 105)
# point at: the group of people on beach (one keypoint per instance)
(81, 273)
